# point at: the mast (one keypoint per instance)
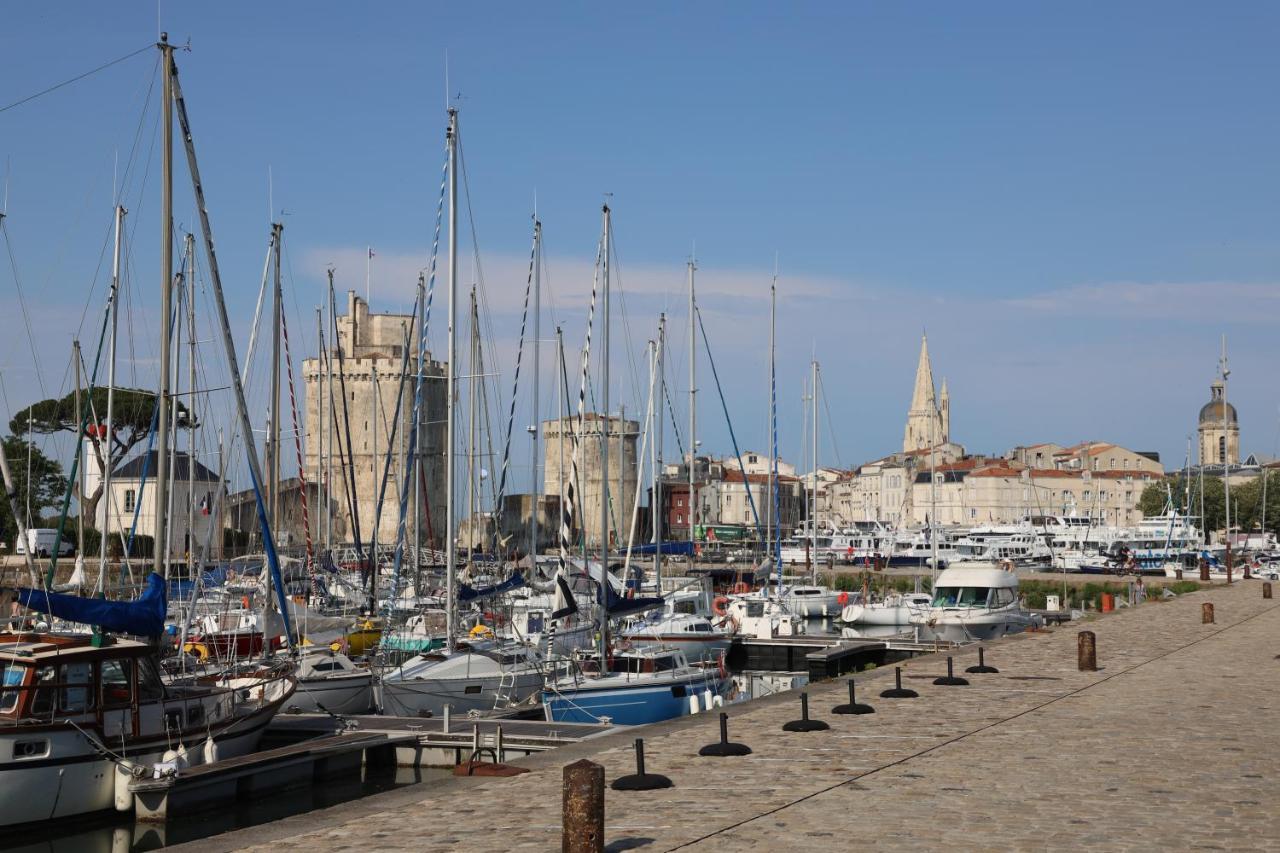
(273, 435)
(536, 428)
(415, 464)
(933, 505)
(322, 483)
(561, 393)
(473, 369)
(656, 498)
(106, 453)
(1226, 449)
(693, 409)
(776, 544)
(604, 413)
(191, 405)
(160, 562)
(373, 472)
(75, 356)
(451, 553)
(814, 403)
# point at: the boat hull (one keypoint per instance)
(337, 694)
(426, 697)
(632, 705)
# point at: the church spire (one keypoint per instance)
(922, 399)
(926, 424)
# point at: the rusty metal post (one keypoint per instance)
(1204, 571)
(1266, 589)
(1206, 613)
(582, 829)
(1228, 573)
(1179, 573)
(1087, 651)
(1247, 574)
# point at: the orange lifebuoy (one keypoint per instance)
(842, 599)
(720, 606)
(244, 601)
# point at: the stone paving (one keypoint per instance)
(1172, 743)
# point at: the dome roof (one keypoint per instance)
(1211, 413)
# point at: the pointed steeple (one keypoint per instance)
(922, 399)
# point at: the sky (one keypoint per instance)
(1075, 201)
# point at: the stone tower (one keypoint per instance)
(622, 471)
(372, 351)
(1219, 429)
(927, 423)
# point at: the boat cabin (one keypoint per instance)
(981, 585)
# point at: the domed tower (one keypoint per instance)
(1219, 430)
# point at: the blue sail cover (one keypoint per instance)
(469, 593)
(671, 549)
(619, 606)
(143, 617)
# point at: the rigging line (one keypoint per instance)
(22, 303)
(615, 270)
(75, 79)
(715, 374)
(831, 433)
(515, 385)
(302, 474)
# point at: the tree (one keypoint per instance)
(1155, 499)
(133, 411)
(45, 488)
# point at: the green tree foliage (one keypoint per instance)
(132, 413)
(1246, 501)
(45, 487)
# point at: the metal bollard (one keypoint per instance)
(1206, 613)
(1229, 573)
(1087, 651)
(1179, 574)
(1204, 572)
(582, 810)
(1266, 589)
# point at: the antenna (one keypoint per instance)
(1222, 362)
(446, 78)
(271, 191)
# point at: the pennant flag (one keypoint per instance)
(566, 604)
(204, 504)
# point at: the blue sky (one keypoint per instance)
(1076, 201)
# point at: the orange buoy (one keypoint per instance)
(1108, 602)
(842, 599)
(720, 606)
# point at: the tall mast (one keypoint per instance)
(473, 368)
(106, 454)
(1226, 449)
(655, 500)
(775, 546)
(604, 413)
(191, 405)
(813, 501)
(273, 435)
(561, 393)
(451, 552)
(322, 483)
(415, 464)
(536, 427)
(604, 455)
(933, 505)
(160, 561)
(373, 474)
(75, 356)
(693, 409)
(768, 511)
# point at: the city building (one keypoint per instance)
(193, 493)
(1218, 429)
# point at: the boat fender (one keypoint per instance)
(122, 776)
(693, 703)
(720, 606)
(210, 750)
(706, 699)
(842, 599)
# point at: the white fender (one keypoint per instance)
(210, 750)
(693, 703)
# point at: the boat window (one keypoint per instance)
(946, 596)
(42, 703)
(755, 609)
(973, 596)
(687, 607)
(117, 682)
(677, 691)
(150, 687)
(471, 689)
(535, 623)
(77, 688)
(326, 666)
(701, 627)
(664, 664)
(13, 677)
(1002, 597)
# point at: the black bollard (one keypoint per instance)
(898, 691)
(724, 748)
(981, 666)
(854, 706)
(951, 679)
(641, 781)
(804, 724)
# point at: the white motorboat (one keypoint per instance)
(760, 617)
(328, 682)
(895, 609)
(974, 601)
(812, 600)
(480, 677)
(692, 634)
(79, 719)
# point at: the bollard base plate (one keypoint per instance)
(641, 782)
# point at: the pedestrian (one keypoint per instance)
(1139, 591)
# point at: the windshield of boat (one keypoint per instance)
(12, 677)
(960, 596)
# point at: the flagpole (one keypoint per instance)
(368, 261)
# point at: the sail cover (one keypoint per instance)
(143, 617)
(470, 593)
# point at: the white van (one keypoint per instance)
(41, 540)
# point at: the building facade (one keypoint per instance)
(195, 495)
(1219, 429)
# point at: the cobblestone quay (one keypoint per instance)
(1172, 743)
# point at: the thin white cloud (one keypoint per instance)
(1245, 302)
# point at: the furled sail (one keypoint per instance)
(143, 617)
